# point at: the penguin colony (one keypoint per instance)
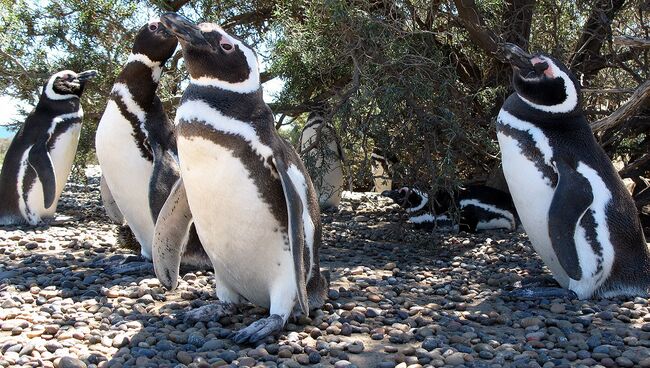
(222, 189)
(480, 208)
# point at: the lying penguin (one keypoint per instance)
(578, 215)
(246, 189)
(39, 159)
(480, 207)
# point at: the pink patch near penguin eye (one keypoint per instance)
(549, 71)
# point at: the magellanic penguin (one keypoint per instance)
(382, 172)
(136, 143)
(253, 204)
(578, 215)
(324, 160)
(480, 208)
(39, 159)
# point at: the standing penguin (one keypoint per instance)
(136, 144)
(578, 215)
(39, 159)
(253, 204)
(326, 159)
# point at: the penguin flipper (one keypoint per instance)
(39, 159)
(164, 176)
(571, 200)
(110, 206)
(289, 175)
(170, 236)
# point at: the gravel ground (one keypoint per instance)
(398, 298)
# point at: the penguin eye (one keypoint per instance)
(226, 46)
(153, 27)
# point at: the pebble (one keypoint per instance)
(398, 298)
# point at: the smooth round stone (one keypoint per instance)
(70, 362)
(455, 359)
(342, 364)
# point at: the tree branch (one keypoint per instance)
(638, 100)
(629, 41)
(471, 20)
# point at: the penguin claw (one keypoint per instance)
(259, 330)
(542, 293)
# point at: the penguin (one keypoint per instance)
(480, 208)
(136, 146)
(382, 173)
(325, 161)
(40, 156)
(572, 203)
(245, 188)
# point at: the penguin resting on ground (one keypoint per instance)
(39, 159)
(326, 159)
(480, 207)
(578, 215)
(253, 204)
(136, 146)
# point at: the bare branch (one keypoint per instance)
(638, 100)
(629, 41)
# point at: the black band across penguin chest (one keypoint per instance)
(139, 136)
(259, 168)
(529, 149)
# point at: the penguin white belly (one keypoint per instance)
(127, 173)
(532, 195)
(245, 242)
(62, 153)
(30, 199)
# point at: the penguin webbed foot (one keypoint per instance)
(209, 312)
(258, 330)
(542, 293)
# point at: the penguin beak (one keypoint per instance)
(88, 74)
(516, 56)
(184, 29)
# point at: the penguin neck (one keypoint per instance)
(521, 109)
(58, 107)
(141, 75)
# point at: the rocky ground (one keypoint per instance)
(398, 298)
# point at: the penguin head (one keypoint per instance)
(212, 56)
(67, 84)
(406, 197)
(542, 81)
(155, 41)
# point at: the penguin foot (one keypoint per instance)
(209, 312)
(542, 293)
(259, 330)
